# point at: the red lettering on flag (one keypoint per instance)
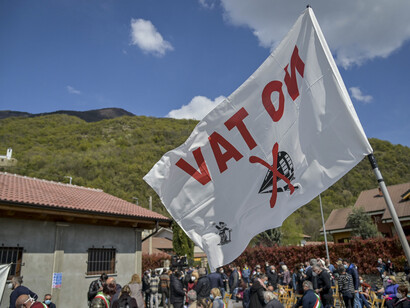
(202, 176)
(237, 121)
(221, 158)
(276, 173)
(290, 80)
(273, 86)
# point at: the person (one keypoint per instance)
(286, 276)
(19, 289)
(390, 291)
(271, 300)
(146, 287)
(164, 283)
(216, 298)
(125, 300)
(191, 295)
(330, 266)
(297, 279)
(246, 273)
(177, 290)
(203, 287)
(390, 268)
(204, 303)
(257, 272)
(233, 280)
(47, 301)
(324, 286)
(25, 300)
(310, 275)
(95, 287)
(135, 286)
(352, 270)
(381, 266)
(309, 299)
(116, 295)
(402, 301)
(103, 297)
(346, 288)
(256, 292)
(215, 280)
(224, 280)
(272, 275)
(154, 284)
(365, 298)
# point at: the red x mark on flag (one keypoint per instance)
(276, 173)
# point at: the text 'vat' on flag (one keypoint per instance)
(217, 141)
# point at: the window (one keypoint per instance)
(13, 255)
(101, 260)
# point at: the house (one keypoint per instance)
(60, 237)
(374, 205)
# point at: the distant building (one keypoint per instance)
(68, 233)
(374, 205)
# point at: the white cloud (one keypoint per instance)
(358, 95)
(197, 108)
(147, 38)
(208, 4)
(72, 90)
(356, 31)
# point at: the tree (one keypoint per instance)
(362, 224)
(181, 243)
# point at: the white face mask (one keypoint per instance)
(10, 286)
(398, 295)
(193, 278)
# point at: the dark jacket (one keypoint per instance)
(177, 290)
(309, 300)
(20, 290)
(233, 280)
(272, 277)
(323, 282)
(203, 287)
(352, 270)
(215, 280)
(311, 277)
(256, 292)
(402, 303)
(125, 300)
(274, 303)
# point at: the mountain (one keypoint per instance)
(115, 154)
(88, 116)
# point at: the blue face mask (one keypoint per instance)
(47, 302)
(345, 266)
(211, 296)
(265, 282)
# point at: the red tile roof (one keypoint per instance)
(371, 201)
(31, 191)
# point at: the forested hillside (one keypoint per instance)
(115, 154)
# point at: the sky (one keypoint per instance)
(181, 58)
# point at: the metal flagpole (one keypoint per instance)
(324, 228)
(390, 206)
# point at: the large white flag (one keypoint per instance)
(285, 135)
(4, 271)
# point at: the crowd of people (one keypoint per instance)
(312, 284)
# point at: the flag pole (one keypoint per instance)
(390, 206)
(324, 228)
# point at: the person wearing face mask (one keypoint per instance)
(259, 286)
(26, 301)
(271, 300)
(352, 270)
(272, 276)
(402, 301)
(297, 279)
(310, 274)
(47, 301)
(216, 298)
(193, 280)
(18, 289)
(390, 291)
(103, 298)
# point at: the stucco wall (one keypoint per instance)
(62, 247)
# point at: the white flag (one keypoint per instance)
(4, 271)
(284, 136)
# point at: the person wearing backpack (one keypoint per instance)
(125, 300)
